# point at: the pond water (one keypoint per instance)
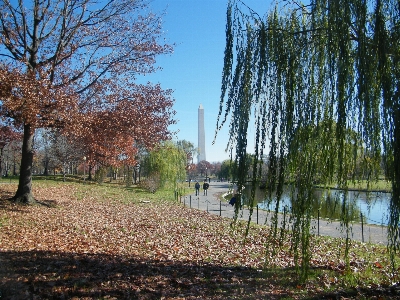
(374, 206)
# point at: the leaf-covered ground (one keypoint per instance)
(89, 243)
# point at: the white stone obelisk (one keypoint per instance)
(201, 136)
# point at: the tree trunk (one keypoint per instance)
(136, 174)
(24, 191)
(64, 171)
(129, 176)
(14, 168)
(46, 166)
(90, 173)
(394, 211)
(1, 161)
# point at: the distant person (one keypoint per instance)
(234, 194)
(197, 187)
(205, 187)
(234, 190)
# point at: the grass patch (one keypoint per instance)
(4, 221)
(380, 185)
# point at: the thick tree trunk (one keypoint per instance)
(24, 191)
(393, 228)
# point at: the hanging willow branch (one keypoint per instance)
(323, 84)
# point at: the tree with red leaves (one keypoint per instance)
(75, 63)
(111, 137)
(204, 167)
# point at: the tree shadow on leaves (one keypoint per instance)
(56, 275)
(44, 275)
(7, 203)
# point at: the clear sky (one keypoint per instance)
(194, 70)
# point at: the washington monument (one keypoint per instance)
(202, 139)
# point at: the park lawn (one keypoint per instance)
(376, 185)
(380, 185)
(102, 242)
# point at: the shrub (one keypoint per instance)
(151, 183)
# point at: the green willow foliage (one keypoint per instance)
(168, 161)
(320, 83)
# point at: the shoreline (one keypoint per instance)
(216, 204)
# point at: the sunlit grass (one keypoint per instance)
(380, 185)
(135, 194)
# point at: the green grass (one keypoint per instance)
(3, 221)
(112, 192)
(380, 185)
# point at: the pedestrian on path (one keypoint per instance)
(197, 187)
(205, 187)
(234, 192)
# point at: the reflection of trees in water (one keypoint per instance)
(330, 203)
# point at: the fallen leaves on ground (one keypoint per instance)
(88, 248)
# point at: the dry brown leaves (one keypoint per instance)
(90, 249)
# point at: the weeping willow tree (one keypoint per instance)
(319, 82)
(168, 163)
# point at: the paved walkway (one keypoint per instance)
(212, 203)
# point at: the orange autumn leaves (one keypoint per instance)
(78, 74)
(110, 127)
(29, 99)
(113, 131)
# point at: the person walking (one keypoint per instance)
(197, 187)
(205, 187)
(234, 192)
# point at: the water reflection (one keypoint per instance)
(373, 206)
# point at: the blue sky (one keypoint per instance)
(194, 70)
